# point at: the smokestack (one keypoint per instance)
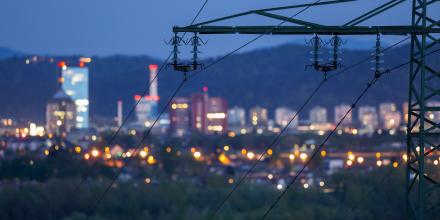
(119, 114)
(60, 80)
(153, 81)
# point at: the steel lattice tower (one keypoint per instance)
(423, 133)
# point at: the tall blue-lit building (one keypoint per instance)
(76, 85)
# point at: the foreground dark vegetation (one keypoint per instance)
(27, 194)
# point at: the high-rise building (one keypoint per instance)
(318, 115)
(340, 111)
(60, 114)
(217, 122)
(405, 112)
(283, 115)
(179, 116)
(236, 118)
(258, 117)
(199, 109)
(209, 114)
(368, 118)
(147, 108)
(76, 85)
(119, 114)
(392, 120)
(385, 108)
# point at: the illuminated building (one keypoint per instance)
(392, 120)
(179, 116)
(258, 117)
(209, 114)
(199, 108)
(318, 115)
(433, 115)
(405, 112)
(340, 111)
(283, 116)
(385, 108)
(236, 118)
(76, 84)
(147, 108)
(368, 118)
(216, 116)
(60, 114)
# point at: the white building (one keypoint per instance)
(258, 116)
(236, 118)
(340, 111)
(318, 115)
(283, 115)
(368, 118)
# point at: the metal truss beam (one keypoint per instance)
(298, 30)
(423, 130)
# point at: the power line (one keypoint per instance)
(112, 139)
(252, 40)
(128, 159)
(250, 170)
(364, 91)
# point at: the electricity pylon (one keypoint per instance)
(423, 132)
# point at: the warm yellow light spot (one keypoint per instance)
(57, 147)
(405, 157)
(321, 183)
(128, 154)
(349, 162)
(379, 163)
(78, 149)
(151, 160)
(197, 155)
(270, 176)
(230, 181)
(323, 153)
(296, 152)
(108, 156)
(168, 149)
(250, 155)
(226, 148)
(360, 160)
(378, 154)
(269, 152)
(193, 149)
(436, 162)
(95, 153)
(231, 134)
(291, 157)
(355, 131)
(351, 157)
(107, 150)
(395, 164)
(86, 156)
(143, 154)
(243, 151)
(303, 156)
(46, 152)
(224, 159)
